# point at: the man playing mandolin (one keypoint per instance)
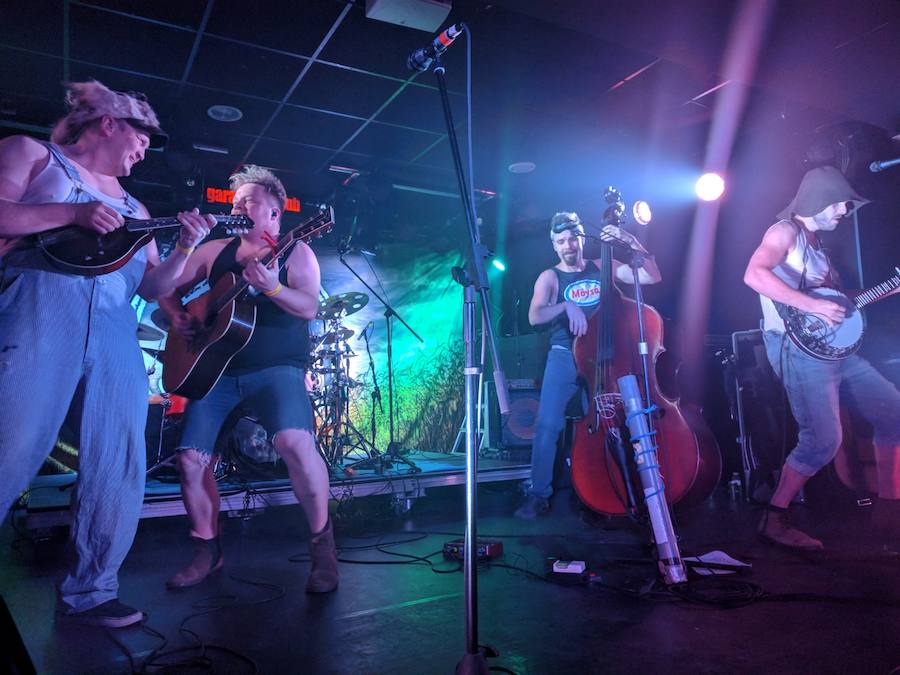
(267, 375)
(790, 259)
(566, 296)
(65, 336)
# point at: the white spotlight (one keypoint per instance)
(710, 187)
(642, 213)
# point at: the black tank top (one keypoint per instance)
(582, 288)
(279, 338)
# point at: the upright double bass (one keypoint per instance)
(603, 467)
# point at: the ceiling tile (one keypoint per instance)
(36, 25)
(342, 90)
(188, 13)
(314, 128)
(248, 70)
(390, 142)
(109, 39)
(281, 24)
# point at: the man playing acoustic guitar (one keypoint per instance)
(789, 258)
(267, 375)
(65, 336)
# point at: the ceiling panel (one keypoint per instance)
(343, 90)
(249, 70)
(105, 38)
(281, 24)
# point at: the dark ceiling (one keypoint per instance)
(319, 84)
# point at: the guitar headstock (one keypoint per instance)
(234, 225)
(317, 226)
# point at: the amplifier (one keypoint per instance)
(485, 549)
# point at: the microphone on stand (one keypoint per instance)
(875, 167)
(421, 59)
(369, 325)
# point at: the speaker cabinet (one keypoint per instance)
(517, 430)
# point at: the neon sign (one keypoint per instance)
(222, 196)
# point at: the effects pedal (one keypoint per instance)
(485, 549)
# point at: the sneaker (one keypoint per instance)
(111, 614)
(532, 507)
(775, 528)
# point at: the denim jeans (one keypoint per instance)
(815, 390)
(276, 395)
(558, 387)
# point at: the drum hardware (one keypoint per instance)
(166, 402)
(338, 335)
(147, 333)
(336, 436)
(344, 304)
(393, 452)
(160, 319)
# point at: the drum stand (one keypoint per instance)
(344, 437)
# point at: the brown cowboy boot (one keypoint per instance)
(207, 559)
(775, 528)
(323, 577)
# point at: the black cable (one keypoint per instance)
(153, 663)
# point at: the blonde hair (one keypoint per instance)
(91, 100)
(251, 173)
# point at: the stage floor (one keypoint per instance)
(250, 485)
(833, 612)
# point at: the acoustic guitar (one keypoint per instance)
(227, 317)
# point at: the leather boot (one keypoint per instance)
(207, 559)
(775, 528)
(323, 577)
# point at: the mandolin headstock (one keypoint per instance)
(234, 224)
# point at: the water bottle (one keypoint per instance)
(734, 486)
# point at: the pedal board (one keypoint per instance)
(485, 549)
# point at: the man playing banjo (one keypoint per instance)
(788, 260)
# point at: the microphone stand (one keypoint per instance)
(376, 392)
(473, 279)
(392, 453)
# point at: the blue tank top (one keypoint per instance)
(583, 288)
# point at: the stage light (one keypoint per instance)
(642, 213)
(710, 187)
(499, 264)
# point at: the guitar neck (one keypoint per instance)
(876, 293)
(314, 226)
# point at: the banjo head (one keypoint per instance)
(833, 342)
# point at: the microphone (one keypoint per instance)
(369, 325)
(421, 58)
(875, 167)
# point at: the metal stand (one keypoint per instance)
(473, 278)
(393, 452)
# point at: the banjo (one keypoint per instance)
(812, 333)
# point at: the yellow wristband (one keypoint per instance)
(275, 291)
(183, 249)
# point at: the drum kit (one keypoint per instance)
(336, 436)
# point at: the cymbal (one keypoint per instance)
(339, 335)
(342, 305)
(148, 332)
(160, 318)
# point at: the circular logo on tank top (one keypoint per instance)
(584, 293)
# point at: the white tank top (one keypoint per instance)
(791, 270)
